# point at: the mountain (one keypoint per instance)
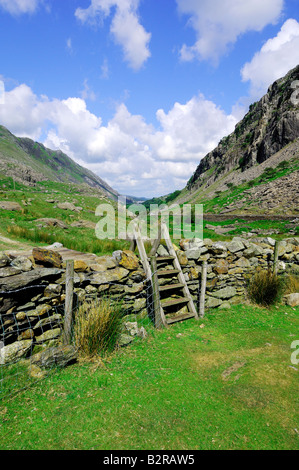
(28, 162)
(262, 148)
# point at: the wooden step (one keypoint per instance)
(164, 258)
(167, 272)
(183, 316)
(172, 302)
(171, 287)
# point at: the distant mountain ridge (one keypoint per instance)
(270, 125)
(28, 162)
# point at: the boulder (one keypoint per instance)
(52, 290)
(69, 206)
(129, 260)
(221, 266)
(9, 271)
(113, 275)
(46, 256)
(15, 351)
(48, 222)
(25, 279)
(235, 245)
(292, 299)
(103, 263)
(225, 293)
(60, 356)
(4, 260)
(22, 263)
(10, 206)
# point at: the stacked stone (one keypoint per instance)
(32, 289)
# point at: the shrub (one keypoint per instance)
(97, 327)
(265, 288)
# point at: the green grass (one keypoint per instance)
(225, 382)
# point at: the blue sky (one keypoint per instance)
(139, 91)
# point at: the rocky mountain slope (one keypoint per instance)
(267, 136)
(27, 162)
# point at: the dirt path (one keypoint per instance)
(15, 248)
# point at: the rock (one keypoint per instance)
(4, 260)
(15, 351)
(162, 251)
(27, 334)
(45, 256)
(218, 248)
(48, 222)
(9, 271)
(225, 293)
(48, 335)
(10, 206)
(103, 263)
(69, 206)
(84, 224)
(113, 275)
(22, 263)
(243, 263)
(193, 243)
(53, 320)
(60, 356)
(212, 302)
(139, 304)
(292, 299)
(225, 306)
(129, 260)
(253, 251)
(235, 245)
(52, 290)
(221, 266)
(125, 339)
(270, 241)
(80, 266)
(183, 260)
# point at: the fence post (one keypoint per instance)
(203, 289)
(275, 261)
(68, 313)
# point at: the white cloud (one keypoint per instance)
(18, 7)
(125, 27)
(277, 56)
(130, 154)
(219, 23)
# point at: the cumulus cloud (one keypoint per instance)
(277, 56)
(219, 23)
(132, 155)
(18, 7)
(125, 27)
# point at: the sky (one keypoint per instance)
(139, 91)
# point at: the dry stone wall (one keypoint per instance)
(32, 289)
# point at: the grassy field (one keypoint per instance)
(225, 382)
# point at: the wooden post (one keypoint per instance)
(68, 313)
(156, 242)
(156, 295)
(203, 289)
(275, 261)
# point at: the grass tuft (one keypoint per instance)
(97, 327)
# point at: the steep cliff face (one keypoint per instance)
(270, 125)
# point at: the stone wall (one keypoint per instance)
(32, 289)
